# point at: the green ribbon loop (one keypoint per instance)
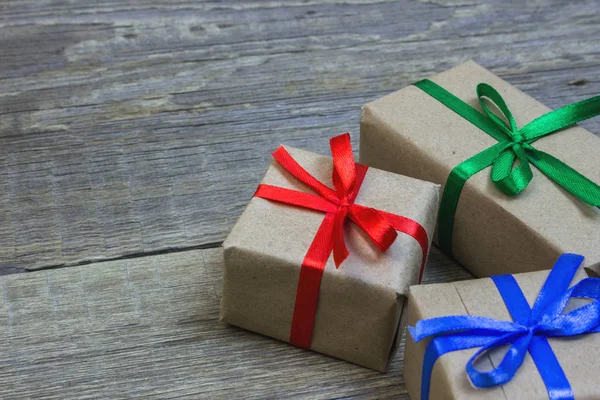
(512, 156)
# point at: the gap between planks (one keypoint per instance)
(16, 270)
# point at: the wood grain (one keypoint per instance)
(148, 328)
(131, 128)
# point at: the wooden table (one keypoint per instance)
(132, 135)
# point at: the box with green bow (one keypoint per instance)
(520, 180)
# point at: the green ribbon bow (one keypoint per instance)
(512, 156)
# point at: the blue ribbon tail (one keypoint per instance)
(547, 364)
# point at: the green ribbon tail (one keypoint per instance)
(453, 187)
(561, 118)
(565, 176)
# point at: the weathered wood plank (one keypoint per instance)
(128, 128)
(148, 327)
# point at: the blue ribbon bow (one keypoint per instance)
(528, 332)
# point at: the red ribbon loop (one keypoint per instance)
(381, 227)
(344, 167)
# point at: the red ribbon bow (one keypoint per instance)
(338, 205)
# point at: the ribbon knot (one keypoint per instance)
(512, 156)
(517, 137)
(527, 333)
(511, 170)
(533, 329)
(338, 205)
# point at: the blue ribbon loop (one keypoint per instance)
(528, 332)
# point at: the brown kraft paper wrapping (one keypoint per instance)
(411, 133)
(360, 304)
(578, 356)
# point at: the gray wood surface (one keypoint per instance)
(148, 328)
(128, 128)
(137, 131)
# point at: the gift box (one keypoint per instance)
(503, 220)
(463, 330)
(280, 279)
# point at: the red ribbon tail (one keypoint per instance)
(413, 229)
(340, 255)
(340, 251)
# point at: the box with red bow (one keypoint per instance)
(324, 254)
